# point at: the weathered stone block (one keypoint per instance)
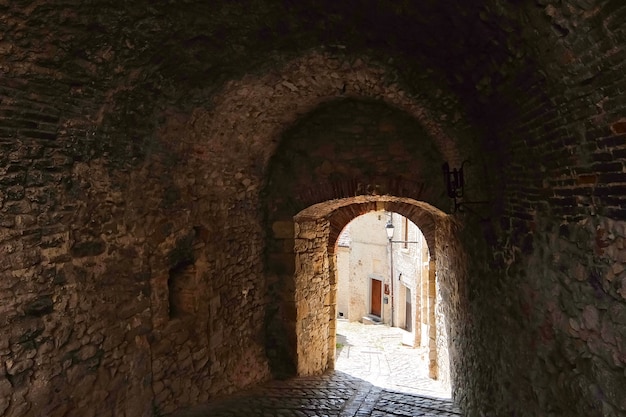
(40, 307)
(88, 248)
(14, 368)
(6, 389)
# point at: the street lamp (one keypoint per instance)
(389, 229)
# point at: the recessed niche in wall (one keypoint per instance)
(180, 285)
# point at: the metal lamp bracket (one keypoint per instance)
(455, 186)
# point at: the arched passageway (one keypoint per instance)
(313, 300)
(344, 148)
(153, 159)
(316, 232)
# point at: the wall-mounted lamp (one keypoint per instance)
(455, 183)
(454, 179)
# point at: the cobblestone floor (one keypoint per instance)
(375, 376)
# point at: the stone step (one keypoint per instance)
(371, 320)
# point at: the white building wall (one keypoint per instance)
(367, 262)
(410, 255)
(369, 258)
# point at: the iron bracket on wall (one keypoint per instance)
(455, 186)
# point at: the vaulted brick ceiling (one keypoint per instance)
(470, 46)
(106, 73)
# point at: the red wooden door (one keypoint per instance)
(376, 297)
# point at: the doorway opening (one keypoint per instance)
(310, 299)
(408, 310)
(383, 278)
(376, 298)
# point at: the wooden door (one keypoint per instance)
(376, 297)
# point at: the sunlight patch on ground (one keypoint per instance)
(376, 354)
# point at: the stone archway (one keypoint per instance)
(315, 163)
(316, 230)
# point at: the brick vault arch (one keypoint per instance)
(251, 113)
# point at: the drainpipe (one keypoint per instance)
(389, 230)
(391, 270)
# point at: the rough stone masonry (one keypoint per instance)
(154, 156)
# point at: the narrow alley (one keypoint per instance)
(377, 355)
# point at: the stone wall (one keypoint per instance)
(452, 282)
(439, 357)
(314, 298)
(87, 303)
(557, 288)
(75, 293)
(562, 309)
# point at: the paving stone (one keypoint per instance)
(375, 376)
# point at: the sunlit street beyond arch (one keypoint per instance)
(375, 353)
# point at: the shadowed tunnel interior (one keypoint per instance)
(157, 161)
